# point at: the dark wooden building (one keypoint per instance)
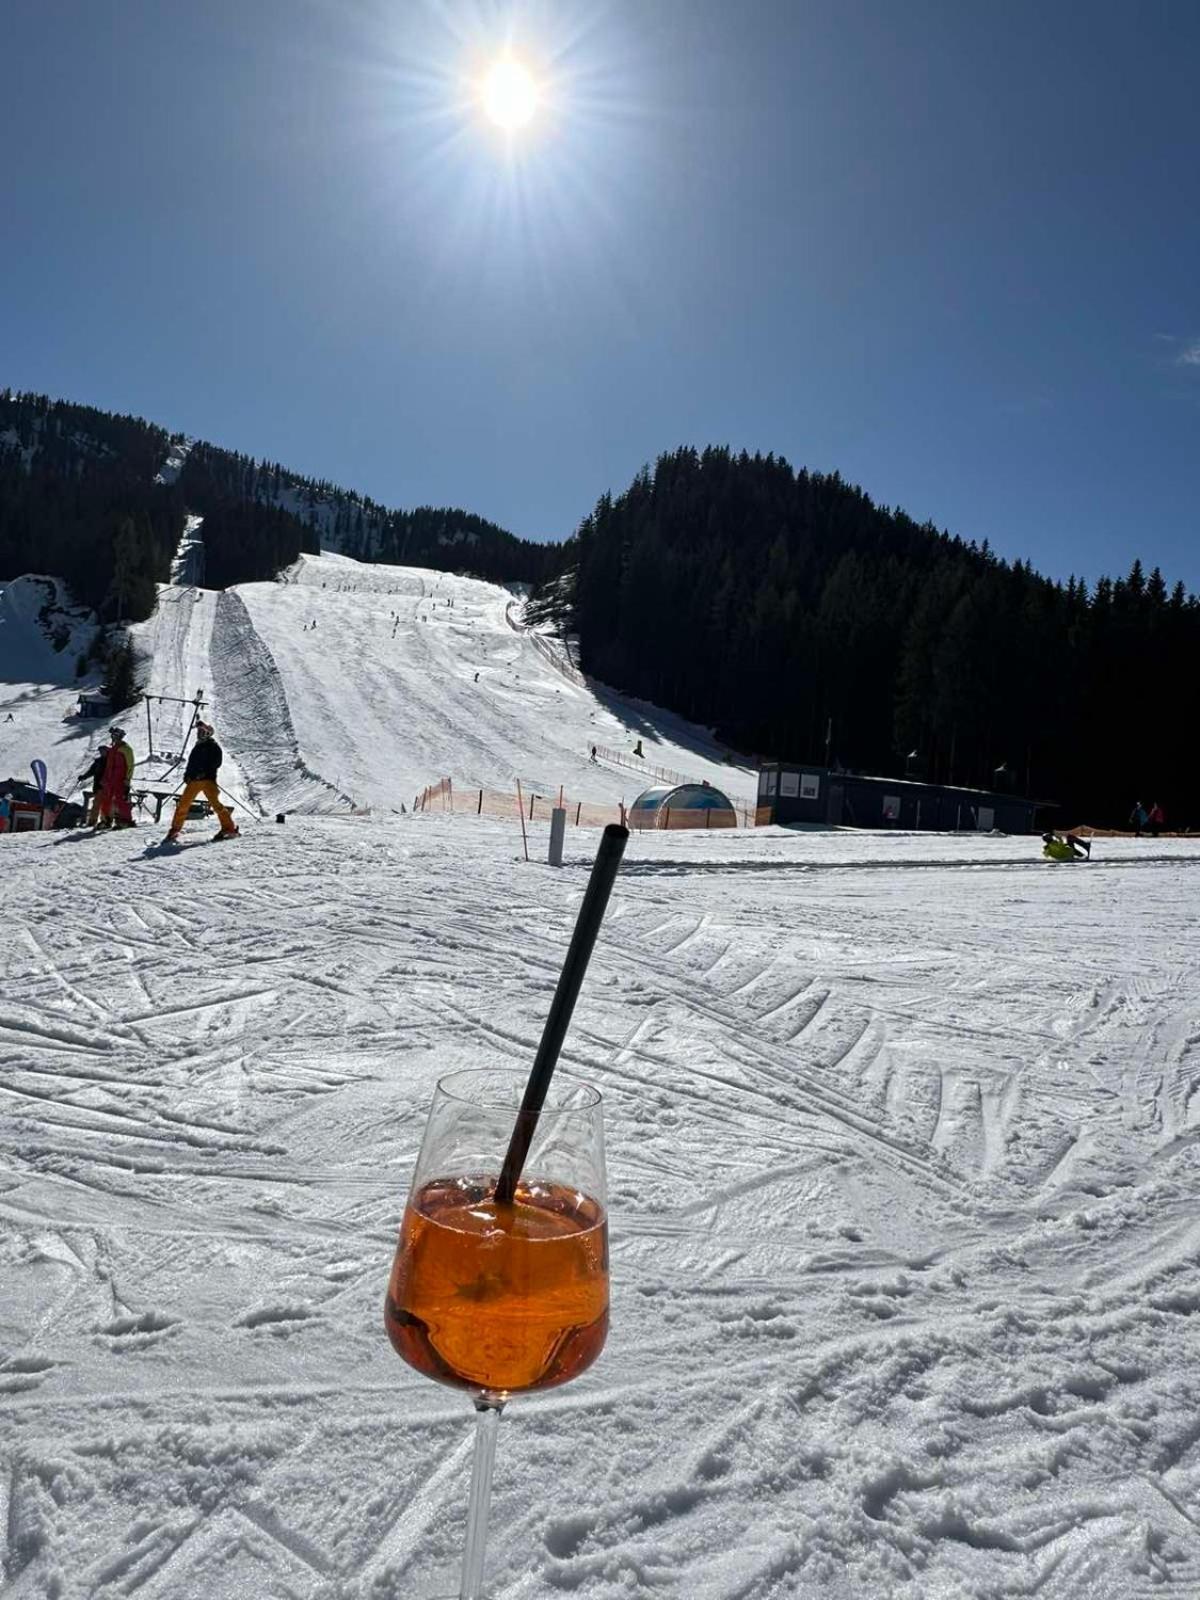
(790, 792)
(94, 703)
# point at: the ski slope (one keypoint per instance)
(176, 647)
(378, 668)
(902, 1149)
(348, 686)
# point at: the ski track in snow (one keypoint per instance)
(384, 699)
(257, 719)
(903, 1138)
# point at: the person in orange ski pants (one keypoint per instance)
(200, 777)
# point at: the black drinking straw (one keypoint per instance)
(587, 926)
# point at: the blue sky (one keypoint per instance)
(948, 248)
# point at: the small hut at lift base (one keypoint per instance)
(682, 805)
(94, 703)
(798, 793)
(22, 810)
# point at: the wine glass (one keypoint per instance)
(494, 1297)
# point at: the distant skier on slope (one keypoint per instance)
(115, 810)
(200, 777)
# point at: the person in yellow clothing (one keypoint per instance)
(1069, 848)
(200, 777)
(114, 810)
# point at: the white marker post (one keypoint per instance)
(558, 829)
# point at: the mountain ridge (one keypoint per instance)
(106, 495)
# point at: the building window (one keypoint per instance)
(810, 786)
(789, 785)
(987, 819)
(772, 782)
(891, 808)
(762, 783)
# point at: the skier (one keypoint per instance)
(94, 775)
(200, 777)
(637, 749)
(114, 783)
(1155, 819)
(1069, 848)
(1137, 818)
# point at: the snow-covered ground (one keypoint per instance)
(177, 454)
(383, 695)
(180, 679)
(903, 1138)
(902, 1155)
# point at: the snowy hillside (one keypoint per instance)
(354, 685)
(38, 686)
(383, 696)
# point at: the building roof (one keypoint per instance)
(901, 783)
(682, 797)
(26, 793)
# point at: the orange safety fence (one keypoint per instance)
(688, 817)
(445, 796)
(1086, 831)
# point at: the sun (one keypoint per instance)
(510, 94)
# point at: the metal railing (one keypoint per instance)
(517, 805)
(635, 763)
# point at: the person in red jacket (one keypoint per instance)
(200, 777)
(1155, 818)
(115, 810)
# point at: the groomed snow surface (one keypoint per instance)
(365, 709)
(902, 1146)
(383, 696)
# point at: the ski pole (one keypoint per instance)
(220, 790)
(235, 800)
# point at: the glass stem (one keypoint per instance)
(487, 1423)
